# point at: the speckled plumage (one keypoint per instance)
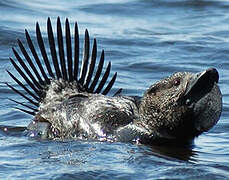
(68, 105)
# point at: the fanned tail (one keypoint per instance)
(65, 65)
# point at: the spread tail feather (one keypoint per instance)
(62, 68)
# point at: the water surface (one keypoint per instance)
(145, 41)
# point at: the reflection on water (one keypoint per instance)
(179, 152)
(173, 152)
(146, 41)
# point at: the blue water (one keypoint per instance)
(145, 40)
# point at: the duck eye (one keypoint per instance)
(176, 82)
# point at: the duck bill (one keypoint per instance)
(204, 99)
(202, 83)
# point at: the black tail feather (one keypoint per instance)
(25, 105)
(61, 50)
(38, 86)
(43, 51)
(24, 96)
(76, 55)
(109, 86)
(53, 48)
(98, 73)
(23, 86)
(63, 67)
(25, 77)
(68, 49)
(26, 111)
(85, 58)
(31, 46)
(118, 92)
(27, 57)
(92, 64)
(104, 79)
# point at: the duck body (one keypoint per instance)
(166, 112)
(73, 103)
(85, 115)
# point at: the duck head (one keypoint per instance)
(182, 106)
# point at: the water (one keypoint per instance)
(145, 41)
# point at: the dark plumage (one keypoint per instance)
(71, 104)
